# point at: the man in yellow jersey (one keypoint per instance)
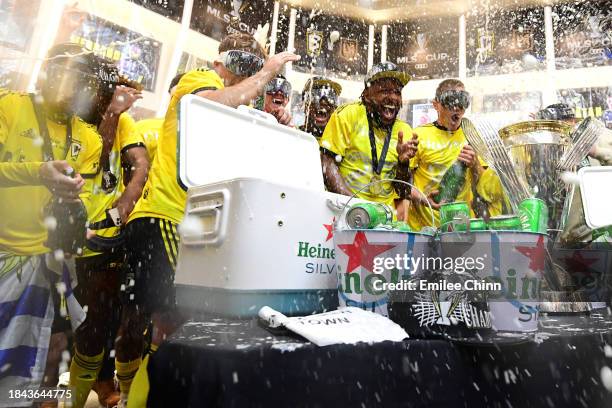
(108, 207)
(491, 191)
(238, 76)
(320, 97)
(276, 96)
(441, 143)
(35, 129)
(363, 142)
(149, 129)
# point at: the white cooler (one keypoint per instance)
(258, 222)
(262, 244)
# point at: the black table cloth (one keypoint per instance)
(214, 362)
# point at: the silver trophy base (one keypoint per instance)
(564, 302)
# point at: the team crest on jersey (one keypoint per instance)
(28, 133)
(75, 149)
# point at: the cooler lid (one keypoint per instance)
(218, 143)
(596, 195)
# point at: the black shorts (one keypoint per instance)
(97, 278)
(151, 251)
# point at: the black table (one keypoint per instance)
(236, 363)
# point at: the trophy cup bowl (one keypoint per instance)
(535, 148)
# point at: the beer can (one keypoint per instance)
(476, 224)
(533, 213)
(449, 211)
(505, 222)
(401, 226)
(602, 234)
(368, 215)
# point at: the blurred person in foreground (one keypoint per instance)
(110, 203)
(239, 74)
(365, 142)
(441, 144)
(320, 97)
(42, 138)
(276, 96)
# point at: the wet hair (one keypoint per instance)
(447, 84)
(175, 81)
(242, 42)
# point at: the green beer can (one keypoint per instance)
(449, 211)
(401, 226)
(505, 223)
(533, 213)
(476, 224)
(368, 215)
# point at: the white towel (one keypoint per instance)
(347, 325)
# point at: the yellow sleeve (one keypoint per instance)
(4, 125)
(128, 134)
(197, 81)
(19, 174)
(482, 162)
(13, 174)
(489, 186)
(336, 134)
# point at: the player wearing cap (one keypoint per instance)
(276, 97)
(40, 138)
(320, 97)
(363, 141)
(239, 75)
(441, 143)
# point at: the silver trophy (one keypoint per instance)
(535, 149)
(529, 158)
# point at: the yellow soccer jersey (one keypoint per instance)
(100, 200)
(491, 190)
(163, 196)
(347, 135)
(149, 130)
(438, 150)
(21, 222)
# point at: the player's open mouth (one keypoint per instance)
(278, 101)
(456, 117)
(389, 112)
(321, 116)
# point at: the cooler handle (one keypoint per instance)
(217, 207)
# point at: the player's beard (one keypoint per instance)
(316, 116)
(383, 114)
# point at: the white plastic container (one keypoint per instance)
(258, 222)
(259, 244)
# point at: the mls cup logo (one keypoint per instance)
(348, 49)
(314, 42)
(236, 8)
(421, 40)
